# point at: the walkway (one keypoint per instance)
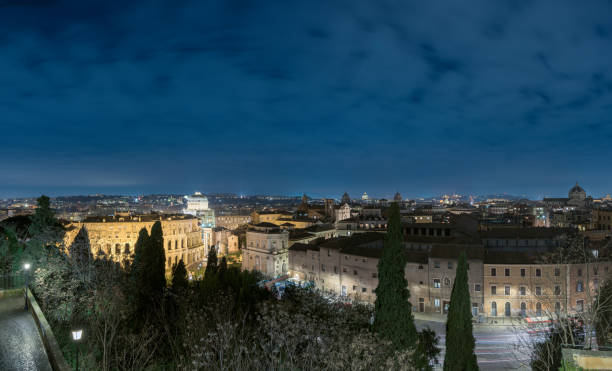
(20, 345)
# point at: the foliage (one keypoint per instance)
(427, 351)
(547, 354)
(459, 339)
(393, 316)
(603, 315)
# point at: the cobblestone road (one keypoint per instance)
(20, 345)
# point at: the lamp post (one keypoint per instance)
(76, 336)
(26, 267)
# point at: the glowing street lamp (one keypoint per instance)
(26, 267)
(76, 336)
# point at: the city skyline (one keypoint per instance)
(513, 97)
(357, 195)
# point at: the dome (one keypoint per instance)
(577, 192)
(198, 195)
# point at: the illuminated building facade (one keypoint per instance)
(115, 237)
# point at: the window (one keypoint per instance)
(522, 290)
(580, 305)
(493, 309)
(450, 265)
(363, 289)
(436, 264)
(354, 288)
(328, 252)
(523, 309)
(557, 290)
(507, 309)
(420, 267)
(436, 283)
(506, 290)
(323, 267)
(596, 284)
(374, 275)
(538, 290)
(117, 249)
(557, 272)
(354, 272)
(477, 287)
(557, 308)
(169, 245)
(335, 270)
(538, 309)
(579, 272)
(447, 281)
(595, 269)
(522, 272)
(538, 272)
(437, 303)
(579, 287)
(507, 272)
(493, 290)
(344, 270)
(493, 272)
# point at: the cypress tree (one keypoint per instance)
(459, 339)
(137, 288)
(211, 262)
(156, 261)
(393, 313)
(222, 269)
(179, 277)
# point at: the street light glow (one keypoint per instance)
(26, 266)
(76, 335)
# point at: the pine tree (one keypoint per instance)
(393, 315)
(459, 339)
(179, 277)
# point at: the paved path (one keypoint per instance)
(20, 345)
(497, 347)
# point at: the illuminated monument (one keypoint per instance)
(197, 205)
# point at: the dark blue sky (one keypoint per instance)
(320, 97)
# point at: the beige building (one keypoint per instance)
(114, 237)
(501, 282)
(602, 219)
(232, 221)
(266, 250)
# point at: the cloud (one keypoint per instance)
(286, 86)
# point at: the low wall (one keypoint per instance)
(10, 293)
(588, 359)
(54, 353)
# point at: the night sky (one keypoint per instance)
(322, 97)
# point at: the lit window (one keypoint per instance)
(436, 283)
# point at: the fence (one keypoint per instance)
(12, 281)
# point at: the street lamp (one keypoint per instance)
(76, 336)
(26, 266)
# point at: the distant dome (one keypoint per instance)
(577, 193)
(397, 197)
(198, 195)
